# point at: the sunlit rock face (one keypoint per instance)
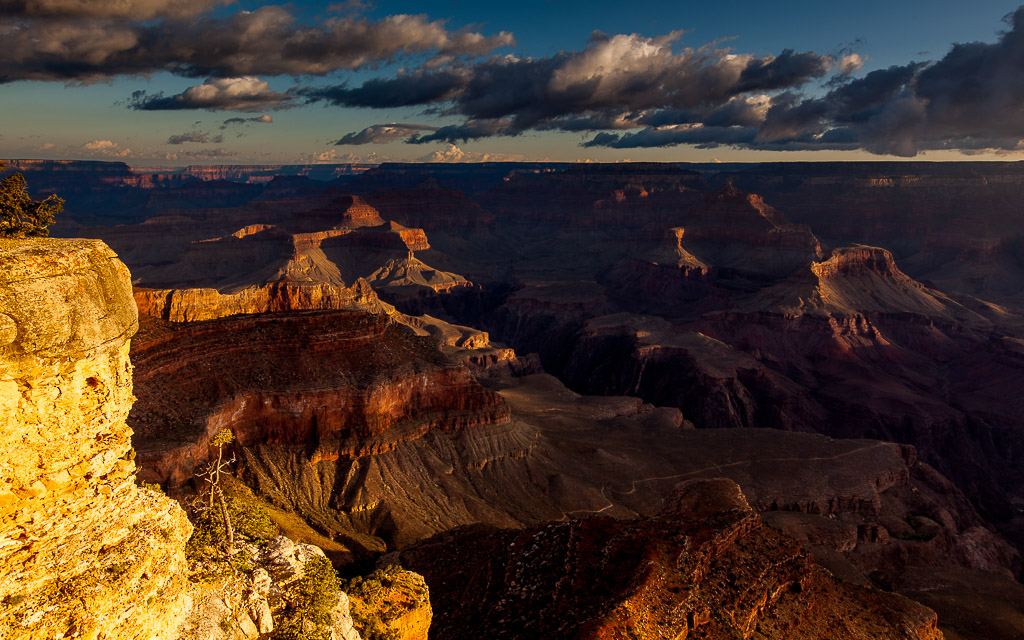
(194, 305)
(85, 552)
(706, 567)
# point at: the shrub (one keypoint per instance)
(309, 612)
(371, 611)
(152, 486)
(249, 518)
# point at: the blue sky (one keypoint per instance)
(531, 83)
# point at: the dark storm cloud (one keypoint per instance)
(684, 134)
(381, 133)
(267, 41)
(634, 91)
(247, 93)
(195, 136)
(405, 90)
(471, 130)
(264, 119)
(969, 100)
(132, 9)
(788, 69)
(613, 83)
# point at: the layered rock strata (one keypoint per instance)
(84, 552)
(335, 384)
(196, 305)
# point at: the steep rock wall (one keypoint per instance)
(84, 552)
(195, 305)
(354, 384)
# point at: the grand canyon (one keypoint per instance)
(626, 400)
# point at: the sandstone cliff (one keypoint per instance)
(195, 305)
(84, 552)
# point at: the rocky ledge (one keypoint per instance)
(707, 567)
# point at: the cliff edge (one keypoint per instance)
(83, 550)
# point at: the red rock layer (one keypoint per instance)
(340, 384)
(195, 305)
(706, 568)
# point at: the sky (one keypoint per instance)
(178, 82)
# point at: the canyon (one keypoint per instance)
(529, 365)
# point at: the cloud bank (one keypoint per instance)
(619, 91)
(615, 82)
(92, 40)
(199, 137)
(131, 9)
(634, 92)
(264, 119)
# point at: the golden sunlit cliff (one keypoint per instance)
(84, 550)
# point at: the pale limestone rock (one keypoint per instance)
(260, 612)
(84, 552)
(259, 607)
(343, 626)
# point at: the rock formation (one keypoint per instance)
(318, 252)
(707, 567)
(250, 603)
(350, 384)
(196, 305)
(85, 552)
(392, 603)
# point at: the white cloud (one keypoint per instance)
(106, 149)
(455, 154)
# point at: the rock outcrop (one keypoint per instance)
(391, 603)
(348, 384)
(84, 552)
(250, 604)
(707, 567)
(321, 240)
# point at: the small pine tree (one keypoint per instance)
(223, 437)
(310, 603)
(20, 215)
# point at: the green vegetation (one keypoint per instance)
(251, 521)
(152, 486)
(20, 215)
(371, 608)
(219, 519)
(308, 616)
